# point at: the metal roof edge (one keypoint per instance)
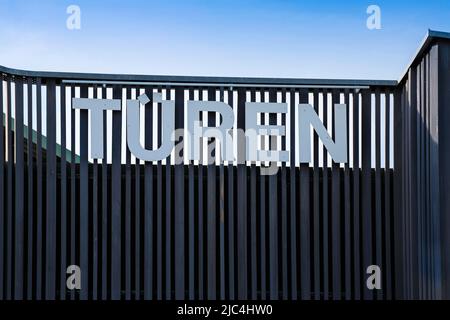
(431, 36)
(193, 80)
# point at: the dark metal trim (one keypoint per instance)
(197, 80)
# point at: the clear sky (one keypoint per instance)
(284, 38)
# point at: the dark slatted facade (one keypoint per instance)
(197, 230)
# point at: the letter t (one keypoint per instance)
(96, 107)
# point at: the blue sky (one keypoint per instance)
(284, 38)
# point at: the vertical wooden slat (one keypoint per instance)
(159, 216)
(424, 217)
(414, 202)
(397, 194)
(116, 202)
(422, 119)
(436, 52)
(200, 229)
(356, 199)
(378, 190)
(19, 193)
(388, 197)
(84, 198)
(404, 192)
(211, 210)
(293, 198)
(335, 212)
(273, 214)
(407, 192)
(105, 206)
(231, 220)
(9, 198)
(128, 252)
(179, 205)
(418, 171)
(169, 227)
(284, 212)
(50, 230)
(366, 191)
(437, 74)
(427, 138)
(253, 212)
(241, 201)
(222, 261)
(316, 207)
(192, 225)
(159, 221)
(149, 201)
(347, 209)
(409, 145)
(305, 243)
(221, 217)
(137, 224)
(93, 222)
(63, 186)
(39, 195)
(325, 207)
(425, 280)
(2, 190)
(263, 218)
(73, 200)
(443, 273)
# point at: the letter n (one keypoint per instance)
(337, 149)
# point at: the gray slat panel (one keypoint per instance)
(388, 199)
(347, 211)
(378, 190)
(63, 187)
(284, 213)
(116, 204)
(73, 193)
(325, 207)
(9, 199)
(93, 224)
(335, 213)
(128, 203)
(242, 271)
(305, 219)
(105, 210)
(19, 218)
(149, 207)
(316, 209)
(253, 223)
(179, 205)
(274, 288)
(263, 218)
(207, 231)
(168, 221)
(2, 192)
(192, 225)
(293, 200)
(356, 203)
(231, 220)
(211, 213)
(84, 199)
(366, 189)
